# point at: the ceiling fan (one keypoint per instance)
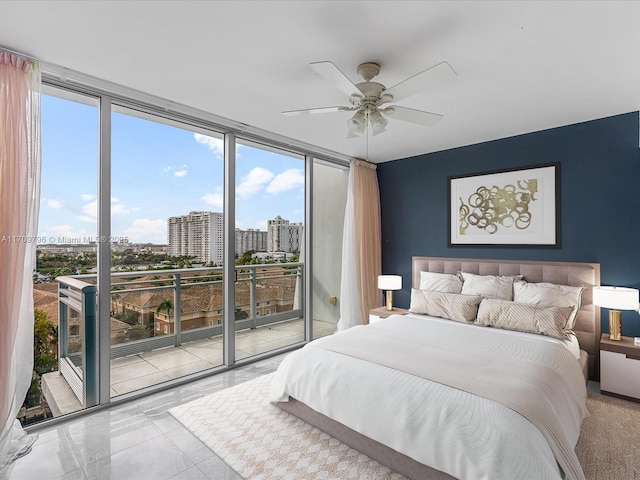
(368, 98)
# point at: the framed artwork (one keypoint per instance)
(516, 207)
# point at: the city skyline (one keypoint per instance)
(158, 171)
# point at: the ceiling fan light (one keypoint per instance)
(356, 131)
(378, 122)
(357, 121)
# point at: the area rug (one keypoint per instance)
(262, 442)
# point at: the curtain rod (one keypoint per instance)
(23, 55)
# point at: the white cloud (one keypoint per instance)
(65, 234)
(216, 198)
(146, 229)
(87, 197)
(178, 170)
(287, 180)
(239, 223)
(119, 209)
(215, 145)
(55, 202)
(254, 182)
(90, 210)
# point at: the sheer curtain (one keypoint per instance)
(19, 204)
(361, 246)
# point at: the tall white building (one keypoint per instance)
(283, 236)
(199, 234)
(251, 239)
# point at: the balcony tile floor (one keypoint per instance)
(138, 371)
(140, 439)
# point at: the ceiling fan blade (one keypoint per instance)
(333, 74)
(405, 114)
(308, 111)
(437, 75)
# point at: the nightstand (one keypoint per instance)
(620, 368)
(376, 314)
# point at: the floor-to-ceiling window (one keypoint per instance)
(269, 235)
(137, 253)
(166, 250)
(66, 246)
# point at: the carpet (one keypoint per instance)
(261, 441)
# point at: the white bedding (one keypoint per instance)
(464, 435)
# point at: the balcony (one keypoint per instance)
(166, 324)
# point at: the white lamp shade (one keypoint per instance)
(617, 298)
(389, 282)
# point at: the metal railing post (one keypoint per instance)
(63, 327)
(90, 351)
(177, 291)
(253, 298)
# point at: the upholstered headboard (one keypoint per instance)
(587, 325)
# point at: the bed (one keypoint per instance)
(433, 398)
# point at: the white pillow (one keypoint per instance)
(550, 294)
(440, 282)
(490, 286)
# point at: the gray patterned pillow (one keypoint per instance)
(549, 294)
(461, 308)
(524, 317)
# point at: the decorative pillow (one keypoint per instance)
(524, 317)
(440, 282)
(550, 294)
(461, 308)
(490, 286)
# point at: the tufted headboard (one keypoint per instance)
(587, 327)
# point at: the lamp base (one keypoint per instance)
(389, 300)
(615, 329)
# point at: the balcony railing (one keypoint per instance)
(162, 308)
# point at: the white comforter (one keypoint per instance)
(462, 434)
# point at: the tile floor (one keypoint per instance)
(138, 371)
(151, 368)
(139, 440)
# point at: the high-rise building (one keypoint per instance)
(199, 234)
(251, 239)
(283, 236)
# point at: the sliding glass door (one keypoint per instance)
(166, 250)
(269, 238)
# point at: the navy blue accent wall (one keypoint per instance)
(599, 206)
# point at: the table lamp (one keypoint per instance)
(389, 283)
(616, 299)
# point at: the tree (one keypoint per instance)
(45, 355)
(137, 332)
(241, 314)
(45, 343)
(167, 305)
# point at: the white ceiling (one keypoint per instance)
(522, 66)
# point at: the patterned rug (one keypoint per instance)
(262, 442)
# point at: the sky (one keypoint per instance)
(157, 171)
